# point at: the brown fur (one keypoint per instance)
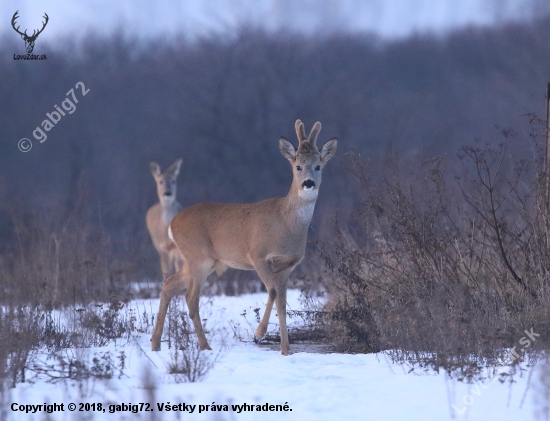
(269, 237)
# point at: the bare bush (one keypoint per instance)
(188, 363)
(38, 343)
(443, 271)
(65, 365)
(103, 325)
(21, 333)
(59, 260)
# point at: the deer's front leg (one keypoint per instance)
(276, 284)
(266, 276)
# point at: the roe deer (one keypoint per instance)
(160, 215)
(269, 237)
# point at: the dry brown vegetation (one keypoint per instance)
(445, 271)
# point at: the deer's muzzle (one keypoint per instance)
(308, 185)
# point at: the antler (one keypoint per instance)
(13, 19)
(314, 133)
(300, 131)
(34, 33)
(43, 25)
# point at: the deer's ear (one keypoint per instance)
(174, 169)
(155, 169)
(329, 149)
(287, 149)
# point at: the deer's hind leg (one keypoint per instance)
(175, 259)
(165, 266)
(173, 285)
(198, 276)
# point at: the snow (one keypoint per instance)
(315, 386)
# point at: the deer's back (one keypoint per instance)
(232, 233)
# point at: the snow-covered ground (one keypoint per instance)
(315, 386)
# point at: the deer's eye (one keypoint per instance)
(161, 181)
(299, 168)
(317, 168)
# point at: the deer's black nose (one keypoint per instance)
(308, 184)
(168, 194)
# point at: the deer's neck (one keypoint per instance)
(168, 212)
(299, 209)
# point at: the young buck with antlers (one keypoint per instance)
(160, 215)
(269, 237)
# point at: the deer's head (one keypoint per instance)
(29, 40)
(166, 181)
(307, 161)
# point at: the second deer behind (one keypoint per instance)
(160, 215)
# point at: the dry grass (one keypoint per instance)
(444, 272)
(188, 363)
